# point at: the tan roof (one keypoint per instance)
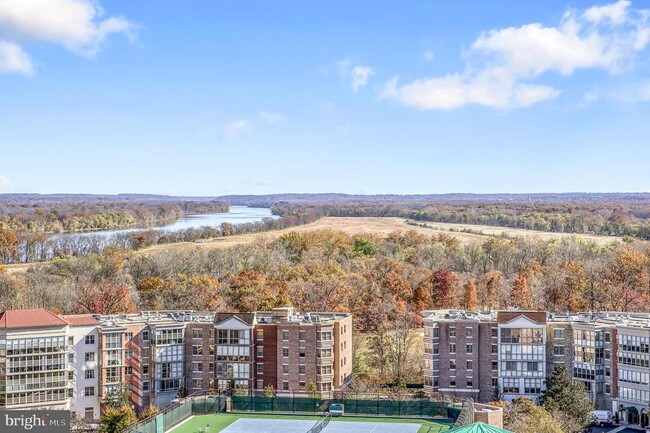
(80, 320)
(39, 317)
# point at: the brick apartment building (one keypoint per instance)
(470, 354)
(72, 362)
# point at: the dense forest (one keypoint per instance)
(70, 213)
(384, 281)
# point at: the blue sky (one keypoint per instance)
(229, 97)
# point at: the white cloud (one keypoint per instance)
(77, 25)
(14, 59)
(502, 62)
(236, 128)
(5, 184)
(272, 117)
(590, 97)
(428, 55)
(644, 92)
(357, 74)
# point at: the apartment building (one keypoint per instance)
(75, 361)
(511, 353)
(42, 362)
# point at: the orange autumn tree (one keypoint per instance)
(470, 297)
(521, 295)
(444, 286)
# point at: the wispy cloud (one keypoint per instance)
(5, 184)
(504, 63)
(14, 59)
(428, 55)
(359, 75)
(77, 25)
(235, 128)
(272, 117)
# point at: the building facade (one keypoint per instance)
(75, 361)
(507, 354)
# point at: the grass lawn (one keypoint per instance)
(219, 422)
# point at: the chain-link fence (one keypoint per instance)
(179, 411)
(353, 406)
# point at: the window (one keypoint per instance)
(89, 339)
(608, 337)
(89, 374)
(495, 365)
(452, 347)
(260, 383)
(435, 381)
(197, 367)
(301, 369)
(197, 333)
(90, 356)
(70, 341)
(285, 368)
(510, 386)
(495, 349)
(128, 336)
(436, 332)
(301, 352)
(145, 352)
(89, 391)
(608, 388)
(324, 336)
(285, 386)
(452, 382)
(260, 351)
(197, 350)
(494, 332)
(470, 382)
(495, 382)
(558, 333)
(285, 335)
(145, 368)
(470, 365)
(211, 367)
(197, 383)
(260, 335)
(558, 350)
(452, 331)
(469, 332)
(128, 370)
(301, 335)
(128, 354)
(469, 348)
(211, 349)
(302, 384)
(260, 368)
(145, 386)
(70, 358)
(452, 364)
(145, 335)
(285, 352)
(532, 386)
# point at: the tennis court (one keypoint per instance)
(245, 423)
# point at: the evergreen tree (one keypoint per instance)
(566, 400)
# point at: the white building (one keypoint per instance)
(83, 332)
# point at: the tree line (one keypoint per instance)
(625, 218)
(47, 216)
(28, 247)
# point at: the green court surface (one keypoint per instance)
(257, 423)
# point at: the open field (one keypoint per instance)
(253, 423)
(382, 226)
(366, 225)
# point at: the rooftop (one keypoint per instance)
(40, 317)
(604, 318)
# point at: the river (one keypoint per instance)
(235, 215)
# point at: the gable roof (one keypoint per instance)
(478, 427)
(36, 318)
